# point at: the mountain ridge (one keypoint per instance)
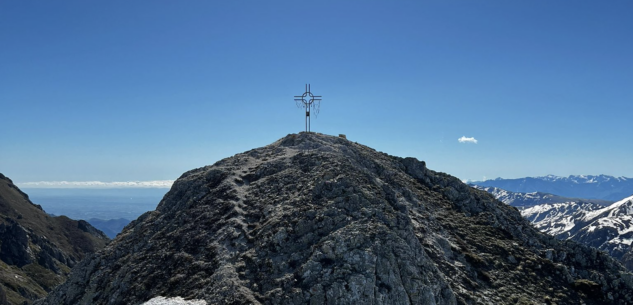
(524, 200)
(575, 178)
(579, 186)
(606, 228)
(37, 250)
(588, 221)
(319, 219)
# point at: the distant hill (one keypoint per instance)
(36, 249)
(581, 186)
(525, 200)
(110, 227)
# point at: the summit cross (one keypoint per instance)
(307, 100)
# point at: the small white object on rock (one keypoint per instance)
(174, 301)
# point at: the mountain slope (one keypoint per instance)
(609, 229)
(627, 259)
(524, 200)
(606, 228)
(322, 220)
(110, 227)
(37, 250)
(592, 187)
(560, 219)
(587, 221)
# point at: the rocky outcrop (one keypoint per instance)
(3, 297)
(315, 219)
(37, 250)
(627, 259)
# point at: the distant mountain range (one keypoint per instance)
(580, 186)
(110, 227)
(588, 221)
(606, 228)
(108, 210)
(525, 200)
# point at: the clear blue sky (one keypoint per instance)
(146, 90)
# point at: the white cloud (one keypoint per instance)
(97, 184)
(467, 140)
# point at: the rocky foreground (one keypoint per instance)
(315, 219)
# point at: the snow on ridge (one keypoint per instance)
(580, 178)
(549, 177)
(557, 218)
(174, 301)
(608, 228)
(571, 178)
(613, 209)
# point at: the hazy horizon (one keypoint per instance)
(96, 186)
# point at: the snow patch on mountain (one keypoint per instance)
(558, 219)
(174, 301)
(587, 221)
(606, 228)
(620, 208)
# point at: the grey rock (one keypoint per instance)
(627, 259)
(3, 297)
(316, 219)
(37, 250)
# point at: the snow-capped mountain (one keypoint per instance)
(606, 228)
(525, 200)
(589, 221)
(581, 186)
(559, 219)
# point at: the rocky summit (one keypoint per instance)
(36, 249)
(316, 219)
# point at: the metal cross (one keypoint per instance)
(307, 101)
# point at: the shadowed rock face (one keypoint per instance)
(321, 220)
(37, 250)
(627, 259)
